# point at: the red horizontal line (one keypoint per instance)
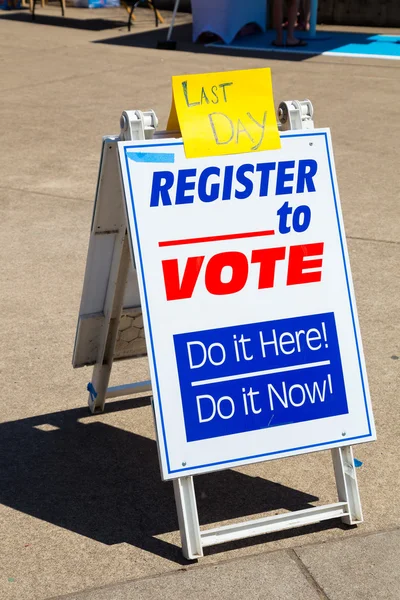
(216, 238)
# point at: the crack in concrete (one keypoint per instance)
(47, 194)
(307, 574)
(363, 239)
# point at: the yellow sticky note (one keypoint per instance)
(224, 113)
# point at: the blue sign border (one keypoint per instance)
(244, 458)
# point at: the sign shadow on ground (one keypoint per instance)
(103, 483)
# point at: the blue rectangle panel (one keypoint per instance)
(260, 375)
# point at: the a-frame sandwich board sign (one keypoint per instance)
(232, 273)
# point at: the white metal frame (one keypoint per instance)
(194, 540)
(110, 220)
(136, 125)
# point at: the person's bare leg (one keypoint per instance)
(291, 40)
(277, 19)
(306, 14)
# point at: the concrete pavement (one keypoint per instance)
(341, 570)
(81, 501)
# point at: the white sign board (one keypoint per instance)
(251, 325)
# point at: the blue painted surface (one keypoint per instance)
(93, 394)
(289, 379)
(382, 46)
(151, 157)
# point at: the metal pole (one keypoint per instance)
(313, 18)
(188, 519)
(173, 20)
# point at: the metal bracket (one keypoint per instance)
(295, 114)
(138, 125)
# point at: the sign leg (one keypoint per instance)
(346, 483)
(171, 27)
(186, 506)
(112, 314)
